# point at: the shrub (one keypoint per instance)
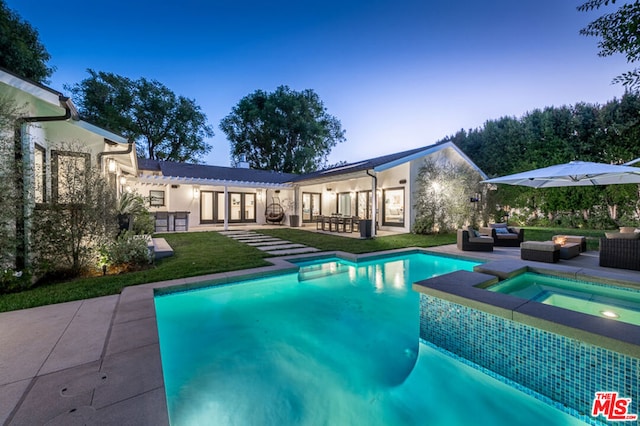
(423, 225)
(68, 231)
(128, 251)
(138, 218)
(13, 281)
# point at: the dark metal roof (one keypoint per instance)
(360, 165)
(199, 171)
(202, 171)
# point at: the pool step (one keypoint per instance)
(313, 272)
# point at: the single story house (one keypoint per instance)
(202, 196)
(191, 196)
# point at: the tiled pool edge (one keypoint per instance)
(528, 345)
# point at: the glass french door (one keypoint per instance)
(242, 207)
(344, 203)
(363, 204)
(311, 205)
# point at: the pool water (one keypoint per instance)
(616, 303)
(337, 343)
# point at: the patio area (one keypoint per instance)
(97, 361)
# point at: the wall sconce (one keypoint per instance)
(259, 194)
(123, 180)
(196, 192)
(111, 166)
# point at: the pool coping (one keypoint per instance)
(126, 349)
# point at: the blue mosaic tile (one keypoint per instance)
(565, 370)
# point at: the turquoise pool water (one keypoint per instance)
(336, 344)
(616, 303)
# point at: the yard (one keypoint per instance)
(202, 253)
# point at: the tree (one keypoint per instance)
(443, 197)
(284, 131)
(619, 34)
(68, 232)
(22, 51)
(166, 126)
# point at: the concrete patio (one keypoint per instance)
(97, 361)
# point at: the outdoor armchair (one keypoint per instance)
(468, 240)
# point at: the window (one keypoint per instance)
(156, 198)
(68, 175)
(40, 174)
(393, 213)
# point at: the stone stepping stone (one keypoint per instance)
(286, 245)
(253, 238)
(293, 251)
(244, 235)
(229, 233)
(273, 242)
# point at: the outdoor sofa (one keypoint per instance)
(470, 240)
(503, 235)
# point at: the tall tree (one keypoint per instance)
(22, 51)
(166, 126)
(284, 131)
(619, 33)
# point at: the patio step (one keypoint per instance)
(161, 248)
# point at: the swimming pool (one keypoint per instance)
(336, 343)
(616, 303)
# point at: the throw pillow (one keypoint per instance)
(501, 230)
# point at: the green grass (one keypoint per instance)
(197, 253)
(201, 253)
(356, 245)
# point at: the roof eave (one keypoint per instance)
(163, 180)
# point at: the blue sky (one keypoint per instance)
(398, 74)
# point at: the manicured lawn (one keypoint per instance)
(201, 253)
(356, 245)
(197, 253)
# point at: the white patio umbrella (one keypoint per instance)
(575, 173)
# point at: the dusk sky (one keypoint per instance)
(397, 74)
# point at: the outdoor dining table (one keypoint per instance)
(335, 223)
